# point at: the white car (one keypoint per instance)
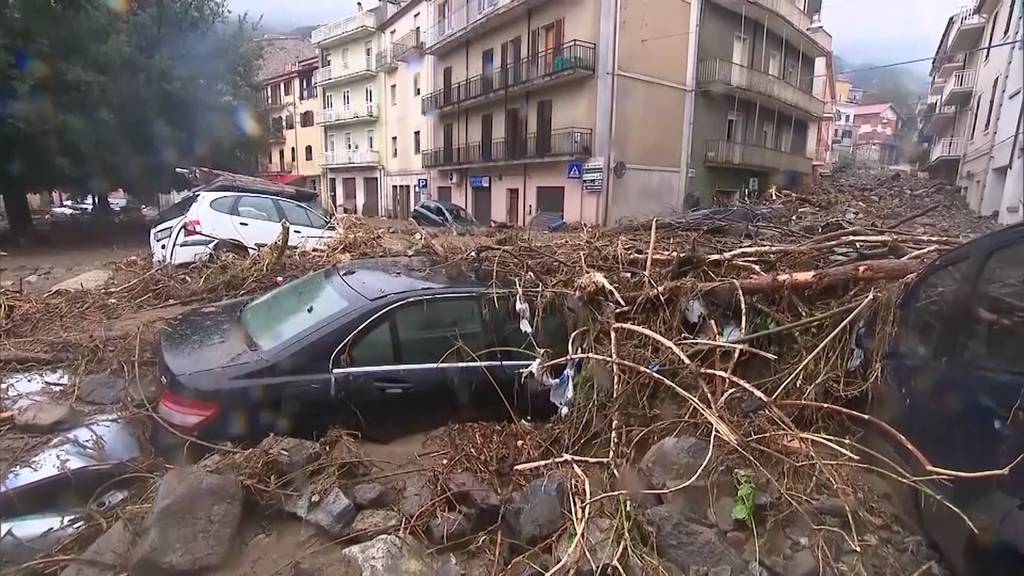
(206, 222)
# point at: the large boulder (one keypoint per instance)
(690, 545)
(389, 555)
(673, 460)
(192, 523)
(452, 527)
(469, 492)
(292, 457)
(537, 511)
(91, 280)
(102, 389)
(43, 417)
(334, 512)
(106, 556)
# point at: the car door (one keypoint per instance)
(417, 362)
(256, 220)
(306, 228)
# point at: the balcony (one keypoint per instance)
(967, 30)
(361, 24)
(345, 158)
(471, 19)
(949, 65)
(409, 46)
(573, 59)
(725, 153)
(783, 17)
(276, 134)
(959, 88)
(938, 121)
(352, 115)
(946, 150)
(562, 143)
(345, 70)
(722, 75)
(386, 60)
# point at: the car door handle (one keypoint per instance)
(243, 223)
(296, 231)
(392, 386)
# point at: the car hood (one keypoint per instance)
(207, 338)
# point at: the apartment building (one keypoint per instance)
(878, 134)
(756, 115)
(565, 107)
(825, 90)
(288, 104)
(973, 116)
(844, 132)
(350, 55)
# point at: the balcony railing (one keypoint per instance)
(452, 26)
(276, 134)
(407, 45)
(959, 87)
(351, 157)
(718, 71)
(571, 57)
(950, 64)
(363, 21)
(968, 28)
(353, 114)
(386, 60)
(790, 10)
(723, 152)
(533, 146)
(947, 149)
(345, 69)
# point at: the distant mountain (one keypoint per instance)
(901, 85)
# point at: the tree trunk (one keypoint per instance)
(18, 214)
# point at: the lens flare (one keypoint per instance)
(246, 121)
(119, 6)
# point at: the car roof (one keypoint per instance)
(376, 278)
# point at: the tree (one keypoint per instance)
(93, 98)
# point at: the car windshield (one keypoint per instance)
(293, 308)
(459, 213)
(177, 210)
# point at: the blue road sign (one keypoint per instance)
(575, 171)
(421, 183)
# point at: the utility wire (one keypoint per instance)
(917, 60)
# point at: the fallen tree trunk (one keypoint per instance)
(15, 357)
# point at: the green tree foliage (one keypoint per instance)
(100, 94)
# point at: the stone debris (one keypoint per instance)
(689, 545)
(102, 389)
(44, 417)
(372, 495)
(537, 511)
(334, 512)
(369, 524)
(91, 280)
(389, 555)
(107, 555)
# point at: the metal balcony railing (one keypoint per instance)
(799, 96)
(532, 146)
(408, 44)
(790, 10)
(947, 149)
(573, 56)
(276, 134)
(959, 87)
(336, 30)
(345, 69)
(353, 114)
(386, 60)
(724, 152)
(452, 25)
(968, 28)
(350, 157)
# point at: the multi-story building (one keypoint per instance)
(878, 134)
(756, 115)
(825, 90)
(288, 103)
(844, 133)
(973, 116)
(350, 56)
(570, 107)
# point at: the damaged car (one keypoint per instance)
(368, 344)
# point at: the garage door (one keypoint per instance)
(482, 205)
(551, 199)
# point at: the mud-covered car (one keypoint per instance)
(955, 388)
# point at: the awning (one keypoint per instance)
(284, 178)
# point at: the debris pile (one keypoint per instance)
(713, 398)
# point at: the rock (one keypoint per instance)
(720, 571)
(687, 544)
(292, 457)
(723, 514)
(449, 566)
(451, 527)
(191, 525)
(533, 564)
(415, 495)
(389, 555)
(372, 523)
(735, 538)
(537, 511)
(147, 391)
(334, 512)
(91, 280)
(101, 389)
(43, 417)
(30, 279)
(372, 495)
(107, 556)
(597, 551)
(835, 507)
(673, 460)
(467, 491)
(803, 563)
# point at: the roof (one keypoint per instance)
(865, 109)
(281, 53)
(208, 179)
(376, 278)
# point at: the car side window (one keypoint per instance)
(316, 220)
(295, 214)
(257, 208)
(550, 331)
(996, 340)
(223, 204)
(440, 329)
(375, 348)
(923, 315)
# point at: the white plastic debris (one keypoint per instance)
(524, 314)
(562, 392)
(694, 311)
(731, 332)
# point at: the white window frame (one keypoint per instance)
(346, 99)
(349, 141)
(371, 143)
(368, 95)
(328, 101)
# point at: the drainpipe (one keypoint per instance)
(690, 99)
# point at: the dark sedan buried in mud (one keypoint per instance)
(369, 345)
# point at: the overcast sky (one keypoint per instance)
(863, 31)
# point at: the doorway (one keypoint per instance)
(543, 127)
(332, 191)
(371, 203)
(512, 206)
(444, 193)
(482, 205)
(348, 195)
(486, 135)
(513, 134)
(551, 199)
(487, 76)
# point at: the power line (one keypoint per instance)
(918, 60)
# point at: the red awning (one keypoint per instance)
(284, 178)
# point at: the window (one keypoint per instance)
(368, 95)
(348, 140)
(281, 314)
(257, 208)
(427, 330)
(991, 103)
(344, 57)
(416, 142)
(997, 335)
(991, 34)
(371, 143)
(375, 348)
(977, 110)
(295, 214)
(346, 99)
(394, 94)
(775, 63)
(416, 84)
(328, 101)
(1010, 17)
(551, 330)
(306, 119)
(224, 204)
(734, 127)
(394, 146)
(920, 320)
(309, 153)
(293, 154)
(287, 87)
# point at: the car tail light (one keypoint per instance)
(193, 227)
(186, 413)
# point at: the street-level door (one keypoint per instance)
(551, 199)
(348, 195)
(482, 205)
(444, 193)
(512, 206)
(371, 205)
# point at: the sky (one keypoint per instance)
(863, 31)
